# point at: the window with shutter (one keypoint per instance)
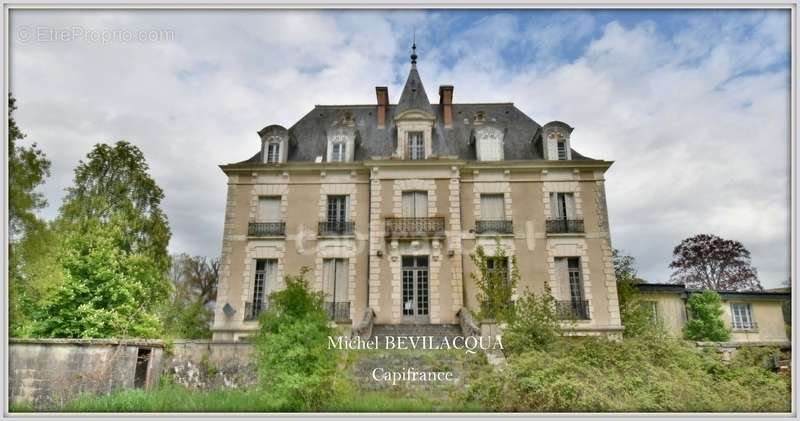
(269, 209)
(492, 207)
(415, 204)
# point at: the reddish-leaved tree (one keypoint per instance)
(709, 262)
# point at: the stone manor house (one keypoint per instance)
(384, 202)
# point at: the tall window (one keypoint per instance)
(562, 205)
(742, 316)
(269, 209)
(337, 208)
(335, 279)
(575, 281)
(493, 207)
(338, 152)
(273, 152)
(416, 146)
(415, 204)
(264, 282)
(562, 150)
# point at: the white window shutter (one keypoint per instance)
(569, 199)
(342, 278)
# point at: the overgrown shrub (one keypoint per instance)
(495, 284)
(534, 323)
(635, 375)
(706, 322)
(295, 366)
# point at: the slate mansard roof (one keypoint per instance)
(522, 139)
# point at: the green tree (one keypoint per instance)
(28, 235)
(108, 291)
(295, 364)
(189, 311)
(705, 323)
(497, 278)
(114, 182)
(114, 252)
(27, 169)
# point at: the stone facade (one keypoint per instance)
(408, 260)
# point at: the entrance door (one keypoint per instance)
(415, 289)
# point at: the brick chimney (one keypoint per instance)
(446, 102)
(382, 93)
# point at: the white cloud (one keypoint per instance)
(696, 117)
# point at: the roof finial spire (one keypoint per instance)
(414, 49)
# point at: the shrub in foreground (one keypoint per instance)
(295, 366)
(637, 375)
(706, 322)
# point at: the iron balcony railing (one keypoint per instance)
(415, 227)
(494, 227)
(562, 226)
(336, 227)
(745, 326)
(573, 310)
(266, 229)
(338, 311)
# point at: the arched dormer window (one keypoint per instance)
(274, 144)
(556, 138)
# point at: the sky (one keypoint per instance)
(692, 105)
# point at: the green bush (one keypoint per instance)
(295, 365)
(637, 375)
(534, 323)
(706, 323)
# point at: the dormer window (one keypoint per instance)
(273, 155)
(562, 149)
(489, 144)
(416, 146)
(338, 152)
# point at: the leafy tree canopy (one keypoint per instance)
(114, 183)
(709, 262)
(27, 169)
(107, 292)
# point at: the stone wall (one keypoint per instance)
(208, 365)
(48, 372)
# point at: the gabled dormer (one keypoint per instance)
(556, 141)
(414, 117)
(274, 144)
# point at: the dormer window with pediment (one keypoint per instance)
(341, 144)
(489, 144)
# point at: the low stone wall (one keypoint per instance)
(49, 372)
(208, 365)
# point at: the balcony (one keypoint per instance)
(432, 227)
(266, 229)
(564, 226)
(494, 227)
(572, 310)
(338, 311)
(328, 228)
